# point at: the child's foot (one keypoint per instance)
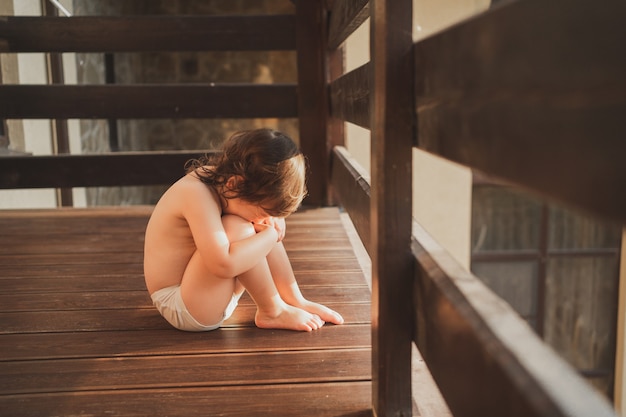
(325, 313)
(289, 318)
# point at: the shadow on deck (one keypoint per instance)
(78, 333)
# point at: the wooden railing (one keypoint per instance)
(531, 92)
(170, 101)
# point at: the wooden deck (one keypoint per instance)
(79, 336)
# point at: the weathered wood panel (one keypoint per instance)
(465, 332)
(581, 310)
(541, 107)
(147, 33)
(146, 101)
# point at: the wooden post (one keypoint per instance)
(392, 126)
(620, 354)
(60, 133)
(317, 134)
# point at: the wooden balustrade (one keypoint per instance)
(540, 107)
(531, 92)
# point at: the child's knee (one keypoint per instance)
(237, 228)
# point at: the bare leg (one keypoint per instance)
(289, 290)
(205, 296)
(272, 311)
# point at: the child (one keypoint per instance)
(218, 231)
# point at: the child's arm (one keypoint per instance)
(277, 223)
(222, 258)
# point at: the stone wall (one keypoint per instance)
(183, 67)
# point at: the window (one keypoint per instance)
(558, 269)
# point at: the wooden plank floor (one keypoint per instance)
(79, 336)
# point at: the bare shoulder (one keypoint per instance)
(188, 192)
(195, 198)
(192, 187)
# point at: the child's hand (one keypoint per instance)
(278, 223)
(280, 226)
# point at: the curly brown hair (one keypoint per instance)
(268, 165)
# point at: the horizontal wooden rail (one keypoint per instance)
(146, 33)
(345, 17)
(485, 359)
(146, 101)
(543, 108)
(351, 184)
(113, 169)
(555, 128)
(349, 96)
(463, 330)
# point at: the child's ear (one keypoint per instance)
(233, 182)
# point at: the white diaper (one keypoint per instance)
(170, 304)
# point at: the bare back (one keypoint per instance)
(169, 241)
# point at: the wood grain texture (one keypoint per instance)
(350, 96)
(147, 33)
(210, 370)
(345, 18)
(110, 169)
(390, 207)
(146, 101)
(322, 400)
(311, 21)
(542, 108)
(78, 333)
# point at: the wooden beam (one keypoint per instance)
(146, 33)
(148, 101)
(543, 108)
(351, 183)
(115, 169)
(619, 391)
(349, 97)
(485, 359)
(392, 266)
(316, 143)
(60, 131)
(335, 127)
(346, 16)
